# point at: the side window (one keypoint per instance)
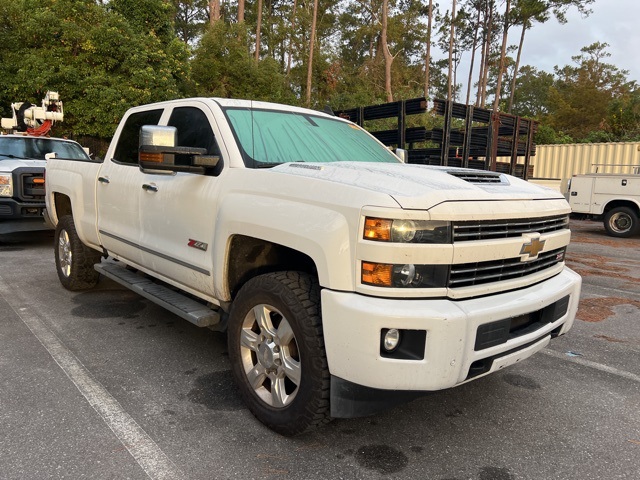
(127, 148)
(194, 130)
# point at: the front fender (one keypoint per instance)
(326, 235)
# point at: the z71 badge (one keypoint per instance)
(199, 245)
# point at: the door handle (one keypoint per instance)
(148, 187)
(103, 179)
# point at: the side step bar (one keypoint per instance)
(183, 306)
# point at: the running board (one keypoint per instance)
(183, 306)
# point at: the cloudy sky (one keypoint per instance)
(549, 44)
(612, 21)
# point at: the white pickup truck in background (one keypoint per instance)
(22, 164)
(346, 280)
(611, 197)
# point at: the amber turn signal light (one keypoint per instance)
(378, 274)
(377, 229)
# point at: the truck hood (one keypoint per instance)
(10, 164)
(422, 187)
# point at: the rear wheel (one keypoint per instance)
(74, 260)
(277, 351)
(621, 222)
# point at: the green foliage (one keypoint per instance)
(106, 56)
(531, 97)
(98, 61)
(190, 19)
(223, 67)
(580, 99)
(546, 135)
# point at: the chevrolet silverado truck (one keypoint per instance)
(22, 165)
(346, 280)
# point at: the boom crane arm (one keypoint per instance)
(33, 119)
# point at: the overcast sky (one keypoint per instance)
(612, 21)
(549, 44)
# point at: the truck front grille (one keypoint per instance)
(32, 187)
(486, 230)
(469, 274)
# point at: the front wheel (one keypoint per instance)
(74, 260)
(277, 354)
(621, 222)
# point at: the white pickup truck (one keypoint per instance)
(22, 162)
(346, 280)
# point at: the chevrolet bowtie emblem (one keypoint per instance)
(533, 248)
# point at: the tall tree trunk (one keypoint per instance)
(503, 53)
(258, 29)
(214, 11)
(487, 59)
(451, 35)
(427, 59)
(312, 44)
(293, 28)
(240, 11)
(517, 66)
(473, 56)
(482, 62)
(388, 58)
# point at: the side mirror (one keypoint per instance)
(402, 154)
(157, 152)
(50, 155)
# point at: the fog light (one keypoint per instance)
(405, 274)
(391, 339)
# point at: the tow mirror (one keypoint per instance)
(402, 154)
(157, 152)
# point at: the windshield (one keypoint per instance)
(272, 137)
(37, 148)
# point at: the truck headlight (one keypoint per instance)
(404, 276)
(406, 231)
(6, 185)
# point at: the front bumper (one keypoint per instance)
(454, 351)
(17, 216)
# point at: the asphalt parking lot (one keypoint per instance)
(106, 385)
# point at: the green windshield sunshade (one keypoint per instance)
(274, 137)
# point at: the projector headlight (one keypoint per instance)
(407, 231)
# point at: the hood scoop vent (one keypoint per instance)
(478, 176)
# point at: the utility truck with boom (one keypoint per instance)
(346, 281)
(24, 149)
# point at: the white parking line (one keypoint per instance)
(597, 366)
(143, 449)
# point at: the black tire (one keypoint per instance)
(275, 338)
(621, 222)
(74, 260)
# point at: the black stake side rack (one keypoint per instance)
(472, 146)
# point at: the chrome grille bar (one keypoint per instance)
(468, 274)
(485, 230)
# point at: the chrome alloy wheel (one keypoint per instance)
(64, 253)
(270, 356)
(620, 222)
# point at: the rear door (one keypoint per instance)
(120, 183)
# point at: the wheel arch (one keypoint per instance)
(622, 203)
(61, 206)
(281, 234)
(249, 257)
